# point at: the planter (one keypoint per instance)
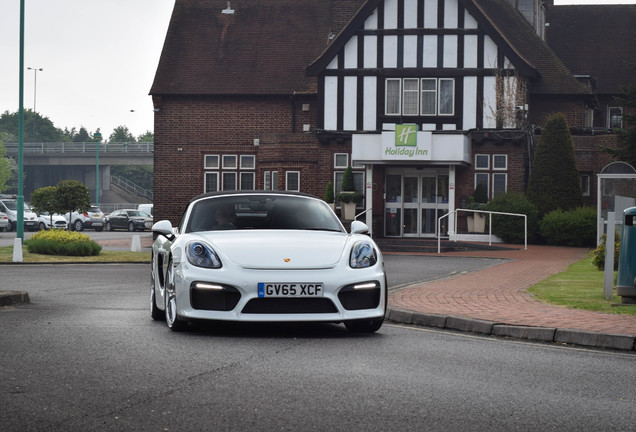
(348, 210)
(333, 206)
(479, 223)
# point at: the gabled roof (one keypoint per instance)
(261, 48)
(507, 27)
(595, 40)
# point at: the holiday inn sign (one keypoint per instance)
(406, 144)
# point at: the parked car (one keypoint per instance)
(266, 256)
(130, 219)
(92, 219)
(147, 208)
(10, 207)
(44, 221)
(4, 222)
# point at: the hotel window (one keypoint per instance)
(247, 181)
(270, 181)
(248, 161)
(292, 181)
(585, 184)
(420, 96)
(484, 180)
(341, 160)
(229, 162)
(211, 181)
(211, 162)
(499, 183)
(500, 162)
(229, 181)
(615, 117)
(482, 162)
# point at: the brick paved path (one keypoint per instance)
(498, 293)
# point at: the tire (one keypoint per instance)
(109, 226)
(41, 226)
(173, 320)
(99, 229)
(131, 227)
(156, 313)
(78, 225)
(11, 227)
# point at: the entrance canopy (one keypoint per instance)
(616, 192)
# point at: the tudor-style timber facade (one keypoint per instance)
(425, 99)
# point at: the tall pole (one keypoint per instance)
(98, 136)
(20, 215)
(35, 92)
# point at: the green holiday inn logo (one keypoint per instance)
(406, 135)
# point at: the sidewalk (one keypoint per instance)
(494, 301)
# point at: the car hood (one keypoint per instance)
(276, 249)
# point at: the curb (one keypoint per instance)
(492, 328)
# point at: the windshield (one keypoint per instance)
(13, 205)
(261, 212)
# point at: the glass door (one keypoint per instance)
(411, 206)
(393, 206)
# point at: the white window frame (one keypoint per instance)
(411, 95)
(287, 176)
(494, 165)
(428, 92)
(251, 183)
(335, 160)
(484, 157)
(248, 162)
(386, 97)
(484, 176)
(209, 161)
(270, 180)
(609, 117)
(223, 185)
(439, 97)
(227, 162)
(586, 181)
(205, 181)
(498, 174)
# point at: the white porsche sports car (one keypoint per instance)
(266, 256)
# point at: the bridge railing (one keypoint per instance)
(131, 187)
(86, 147)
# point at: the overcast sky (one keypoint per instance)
(98, 58)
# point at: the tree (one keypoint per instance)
(72, 195)
(146, 137)
(44, 200)
(5, 170)
(554, 180)
(121, 134)
(36, 127)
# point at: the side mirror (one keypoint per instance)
(358, 227)
(163, 227)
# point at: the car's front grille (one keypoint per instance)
(289, 305)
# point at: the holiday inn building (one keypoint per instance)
(424, 99)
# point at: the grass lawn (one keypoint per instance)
(6, 256)
(579, 287)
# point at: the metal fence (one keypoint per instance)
(131, 187)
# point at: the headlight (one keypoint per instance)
(362, 255)
(201, 255)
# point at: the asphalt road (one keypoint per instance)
(85, 356)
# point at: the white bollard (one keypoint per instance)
(135, 246)
(17, 250)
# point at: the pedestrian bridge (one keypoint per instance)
(45, 164)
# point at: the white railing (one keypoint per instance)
(454, 212)
(82, 147)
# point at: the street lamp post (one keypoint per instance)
(35, 92)
(98, 136)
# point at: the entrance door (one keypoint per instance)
(414, 202)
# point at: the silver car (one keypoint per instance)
(92, 219)
(4, 221)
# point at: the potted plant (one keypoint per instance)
(348, 197)
(329, 195)
(477, 221)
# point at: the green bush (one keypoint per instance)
(570, 228)
(599, 252)
(61, 242)
(510, 228)
(329, 195)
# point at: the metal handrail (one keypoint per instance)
(454, 212)
(82, 147)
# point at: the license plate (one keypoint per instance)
(97, 224)
(300, 289)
